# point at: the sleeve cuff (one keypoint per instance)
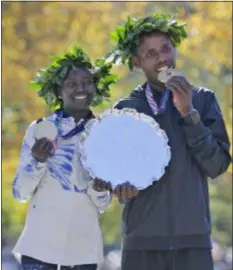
(33, 164)
(97, 194)
(195, 132)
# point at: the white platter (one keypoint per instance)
(125, 146)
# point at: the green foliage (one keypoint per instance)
(127, 36)
(49, 80)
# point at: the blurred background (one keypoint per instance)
(32, 31)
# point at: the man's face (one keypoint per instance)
(154, 52)
(78, 89)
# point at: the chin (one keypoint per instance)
(153, 79)
(83, 106)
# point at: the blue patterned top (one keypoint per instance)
(61, 165)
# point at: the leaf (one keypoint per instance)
(43, 92)
(57, 81)
(50, 98)
(158, 23)
(114, 36)
(33, 85)
(151, 25)
(130, 64)
(63, 72)
(130, 21)
(112, 77)
(64, 61)
(164, 28)
(73, 49)
(148, 27)
(110, 58)
(99, 62)
(55, 58)
(120, 30)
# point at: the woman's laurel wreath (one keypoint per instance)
(47, 81)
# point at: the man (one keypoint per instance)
(167, 225)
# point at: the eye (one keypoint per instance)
(88, 82)
(151, 54)
(71, 84)
(166, 49)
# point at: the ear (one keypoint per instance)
(136, 61)
(174, 52)
(59, 93)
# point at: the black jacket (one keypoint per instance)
(173, 213)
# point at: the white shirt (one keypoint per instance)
(62, 224)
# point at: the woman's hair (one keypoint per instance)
(48, 81)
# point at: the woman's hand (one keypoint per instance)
(41, 149)
(101, 185)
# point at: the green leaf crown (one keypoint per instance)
(47, 81)
(127, 36)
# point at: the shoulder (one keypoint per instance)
(203, 97)
(203, 92)
(135, 100)
(31, 128)
(206, 102)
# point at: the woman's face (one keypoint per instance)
(78, 89)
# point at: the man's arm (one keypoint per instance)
(208, 140)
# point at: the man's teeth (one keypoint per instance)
(163, 68)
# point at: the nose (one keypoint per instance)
(80, 88)
(164, 59)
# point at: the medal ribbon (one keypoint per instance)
(156, 109)
(79, 128)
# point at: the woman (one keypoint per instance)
(62, 227)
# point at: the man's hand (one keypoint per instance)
(41, 149)
(182, 94)
(125, 191)
(100, 185)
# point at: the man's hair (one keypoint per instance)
(144, 35)
(128, 36)
(48, 81)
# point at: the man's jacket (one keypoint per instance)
(173, 213)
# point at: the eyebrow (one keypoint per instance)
(153, 49)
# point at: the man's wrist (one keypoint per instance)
(187, 111)
(192, 118)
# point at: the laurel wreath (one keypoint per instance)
(48, 80)
(127, 36)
